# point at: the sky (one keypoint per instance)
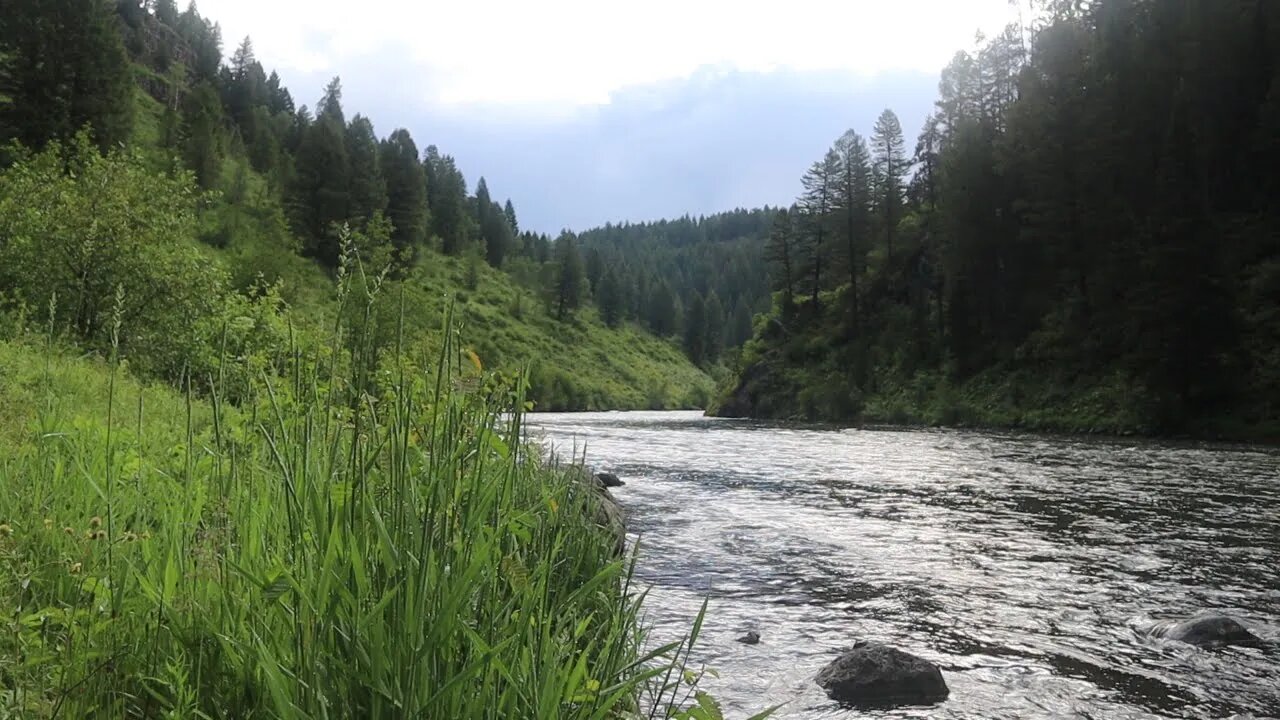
(587, 111)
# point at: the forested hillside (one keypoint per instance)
(699, 279)
(146, 183)
(1083, 237)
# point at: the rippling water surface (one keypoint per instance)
(1027, 567)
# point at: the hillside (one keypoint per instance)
(261, 202)
(1084, 239)
(699, 278)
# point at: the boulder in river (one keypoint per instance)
(751, 638)
(875, 675)
(1208, 631)
(609, 480)
(602, 506)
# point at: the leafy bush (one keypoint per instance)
(106, 245)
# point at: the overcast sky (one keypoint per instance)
(585, 111)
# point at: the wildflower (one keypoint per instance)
(99, 534)
(129, 536)
(69, 530)
(95, 522)
(146, 535)
(48, 523)
(75, 568)
(5, 530)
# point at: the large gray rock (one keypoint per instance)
(1209, 631)
(878, 675)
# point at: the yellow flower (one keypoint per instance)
(75, 568)
(129, 536)
(95, 522)
(69, 530)
(48, 523)
(146, 535)
(5, 530)
(99, 534)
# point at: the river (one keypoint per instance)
(1026, 566)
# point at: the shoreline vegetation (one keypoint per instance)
(360, 535)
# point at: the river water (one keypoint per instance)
(1026, 566)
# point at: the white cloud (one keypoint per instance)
(577, 52)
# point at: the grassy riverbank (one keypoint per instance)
(347, 542)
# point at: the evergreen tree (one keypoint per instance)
(166, 11)
(854, 187)
(891, 166)
(662, 311)
(570, 281)
(204, 40)
(368, 187)
(406, 194)
(447, 195)
(321, 193)
(491, 220)
(715, 327)
(610, 297)
(595, 268)
(695, 330)
(66, 68)
(739, 325)
(202, 134)
(817, 203)
(783, 254)
(509, 211)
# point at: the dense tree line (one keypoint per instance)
(1092, 202)
(696, 278)
(70, 64)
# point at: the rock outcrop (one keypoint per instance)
(875, 675)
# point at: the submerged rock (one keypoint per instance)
(878, 675)
(1209, 631)
(609, 480)
(751, 638)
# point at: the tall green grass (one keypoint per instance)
(361, 537)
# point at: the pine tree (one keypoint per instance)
(491, 220)
(368, 187)
(782, 253)
(715, 327)
(330, 106)
(695, 330)
(202, 135)
(509, 211)
(570, 282)
(610, 299)
(166, 11)
(447, 195)
(740, 324)
(406, 194)
(662, 310)
(817, 203)
(321, 197)
(891, 166)
(854, 187)
(66, 68)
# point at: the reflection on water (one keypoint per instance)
(1025, 566)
